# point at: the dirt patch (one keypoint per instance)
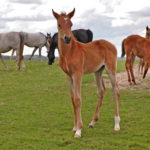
(122, 80)
(141, 83)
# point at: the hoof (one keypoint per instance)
(116, 129)
(134, 82)
(77, 136)
(117, 125)
(91, 126)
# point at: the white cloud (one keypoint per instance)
(109, 19)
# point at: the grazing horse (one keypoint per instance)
(36, 40)
(132, 46)
(12, 40)
(81, 35)
(78, 58)
(142, 62)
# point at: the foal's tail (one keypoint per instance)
(90, 35)
(123, 50)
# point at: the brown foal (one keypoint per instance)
(132, 46)
(78, 58)
(142, 62)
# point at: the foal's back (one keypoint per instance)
(96, 54)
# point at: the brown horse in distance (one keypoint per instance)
(132, 46)
(78, 58)
(142, 62)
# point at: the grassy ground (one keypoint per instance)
(36, 112)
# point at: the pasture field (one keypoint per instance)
(36, 112)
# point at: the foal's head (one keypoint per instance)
(64, 25)
(147, 32)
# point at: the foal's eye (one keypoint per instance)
(59, 26)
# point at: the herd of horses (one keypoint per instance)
(79, 55)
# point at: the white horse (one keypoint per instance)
(12, 40)
(36, 40)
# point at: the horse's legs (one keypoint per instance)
(128, 67)
(140, 65)
(40, 53)
(131, 67)
(143, 64)
(3, 62)
(20, 60)
(100, 92)
(33, 52)
(116, 95)
(145, 70)
(12, 54)
(77, 79)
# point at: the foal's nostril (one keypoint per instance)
(67, 39)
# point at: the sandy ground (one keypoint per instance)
(122, 80)
(123, 83)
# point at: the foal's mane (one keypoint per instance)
(63, 13)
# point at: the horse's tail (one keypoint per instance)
(21, 44)
(90, 35)
(123, 50)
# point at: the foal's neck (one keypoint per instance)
(65, 48)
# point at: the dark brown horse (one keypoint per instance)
(78, 58)
(82, 35)
(132, 46)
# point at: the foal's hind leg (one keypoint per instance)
(100, 92)
(116, 95)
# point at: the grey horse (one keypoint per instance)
(36, 40)
(12, 40)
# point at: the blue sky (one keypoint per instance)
(112, 20)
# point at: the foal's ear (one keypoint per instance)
(55, 14)
(147, 28)
(71, 14)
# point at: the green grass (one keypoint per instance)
(36, 112)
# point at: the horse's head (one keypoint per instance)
(147, 32)
(49, 37)
(64, 25)
(48, 41)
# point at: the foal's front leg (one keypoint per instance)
(77, 79)
(70, 81)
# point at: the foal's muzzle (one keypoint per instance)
(67, 39)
